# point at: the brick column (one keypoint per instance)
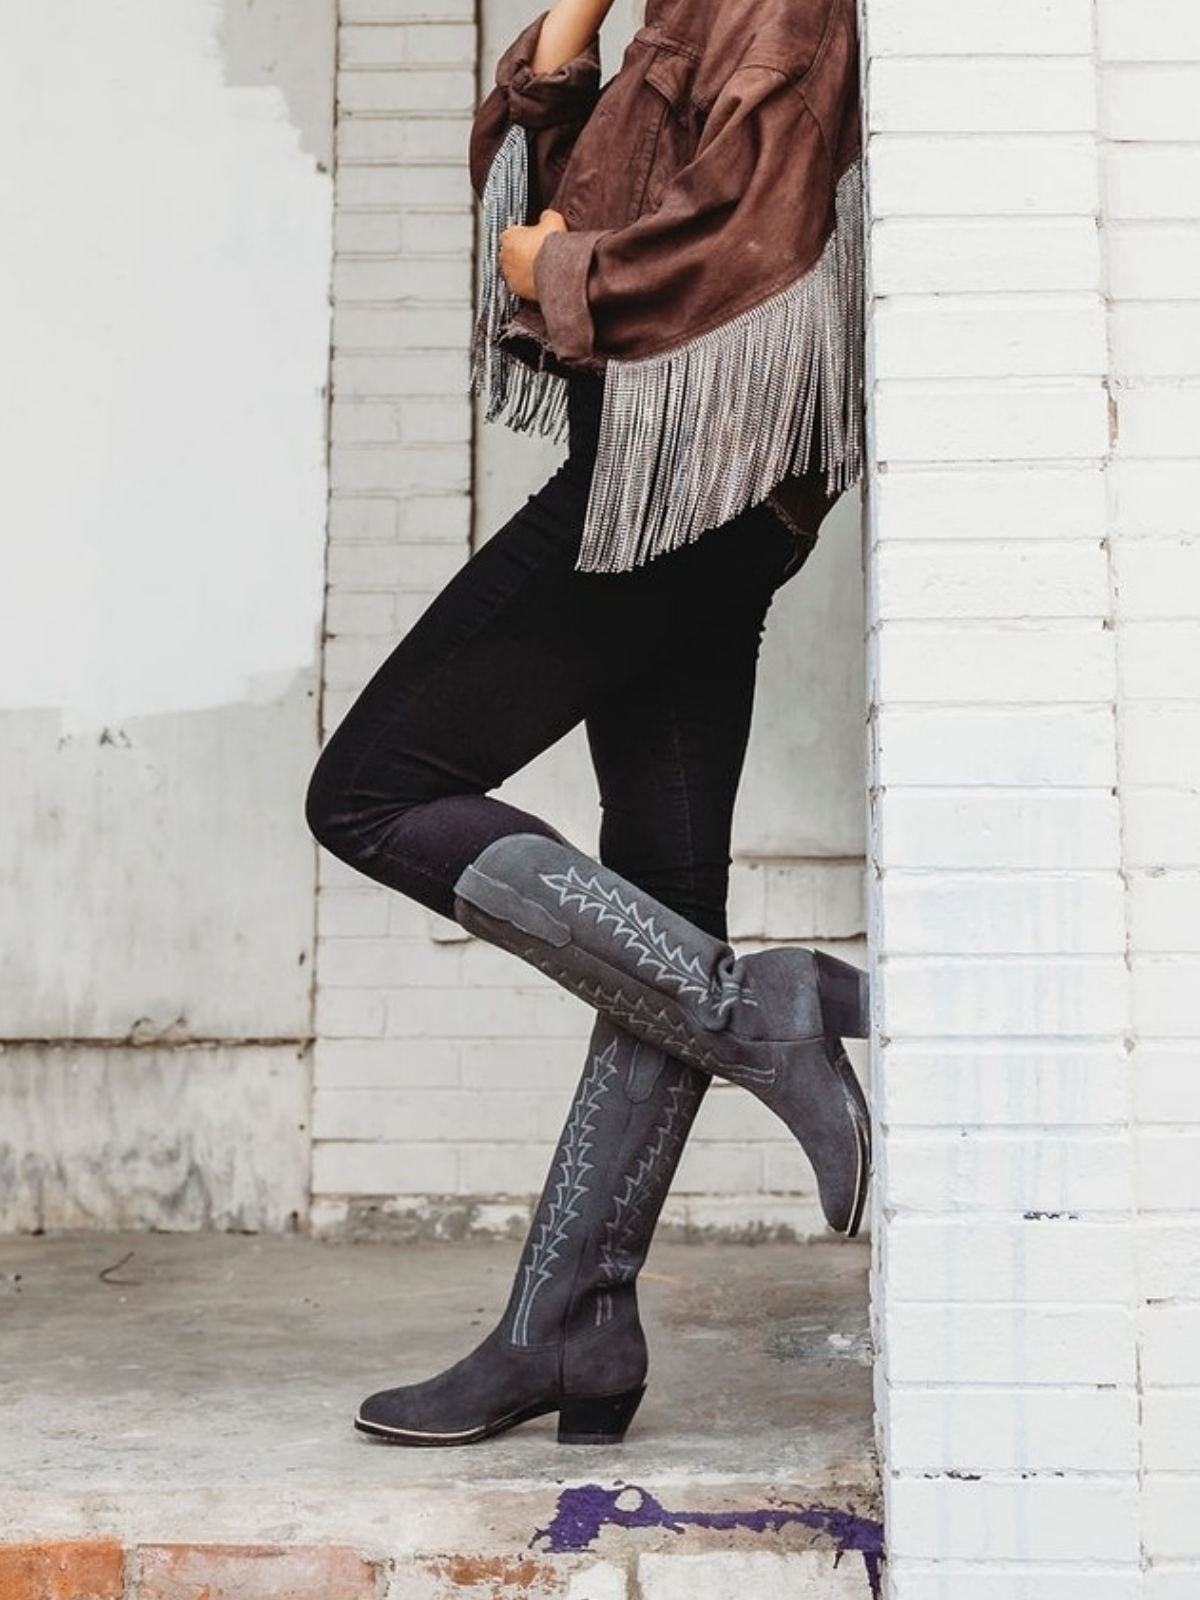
(1005, 1270)
(399, 527)
(1150, 64)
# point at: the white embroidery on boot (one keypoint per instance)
(570, 1185)
(638, 1189)
(637, 931)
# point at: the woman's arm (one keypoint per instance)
(551, 106)
(569, 27)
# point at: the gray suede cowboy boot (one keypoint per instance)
(772, 1022)
(570, 1339)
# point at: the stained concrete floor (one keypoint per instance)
(167, 1386)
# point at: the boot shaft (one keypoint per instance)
(609, 1176)
(763, 1021)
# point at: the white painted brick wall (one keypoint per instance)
(1150, 65)
(1035, 193)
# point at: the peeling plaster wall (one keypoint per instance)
(167, 255)
(167, 263)
(137, 1137)
(158, 883)
(287, 45)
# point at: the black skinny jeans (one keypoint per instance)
(519, 648)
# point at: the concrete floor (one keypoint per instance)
(198, 1386)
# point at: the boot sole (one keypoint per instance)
(860, 1117)
(601, 1420)
(862, 1178)
(433, 1441)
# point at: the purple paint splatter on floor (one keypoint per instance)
(583, 1512)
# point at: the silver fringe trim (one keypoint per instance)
(690, 439)
(528, 401)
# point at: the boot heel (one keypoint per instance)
(600, 1421)
(845, 997)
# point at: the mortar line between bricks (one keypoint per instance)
(1059, 707)
(1061, 1565)
(1121, 762)
(633, 1578)
(1011, 1041)
(1049, 1304)
(1018, 1130)
(982, 874)
(1018, 58)
(938, 1386)
(1067, 790)
(1009, 1477)
(300, 1041)
(1053, 959)
(133, 1571)
(962, 1219)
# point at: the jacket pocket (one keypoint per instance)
(671, 74)
(670, 132)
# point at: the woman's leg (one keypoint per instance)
(640, 935)
(668, 760)
(518, 649)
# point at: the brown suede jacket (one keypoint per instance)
(701, 179)
(710, 192)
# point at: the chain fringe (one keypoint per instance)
(527, 400)
(691, 438)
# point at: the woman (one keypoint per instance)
(688, 300)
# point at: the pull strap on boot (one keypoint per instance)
(570, 1340)
(772, 1021)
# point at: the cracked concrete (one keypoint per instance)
(183, 1387)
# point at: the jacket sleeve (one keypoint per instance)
(759, 185)
(551, 106)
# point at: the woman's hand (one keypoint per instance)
(519, 250)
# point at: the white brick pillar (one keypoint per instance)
(399, 527)
(1005, 1286)
(1150, 104)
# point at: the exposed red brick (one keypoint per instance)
(493, 1577)
(86, 1569)
(253, 1572)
